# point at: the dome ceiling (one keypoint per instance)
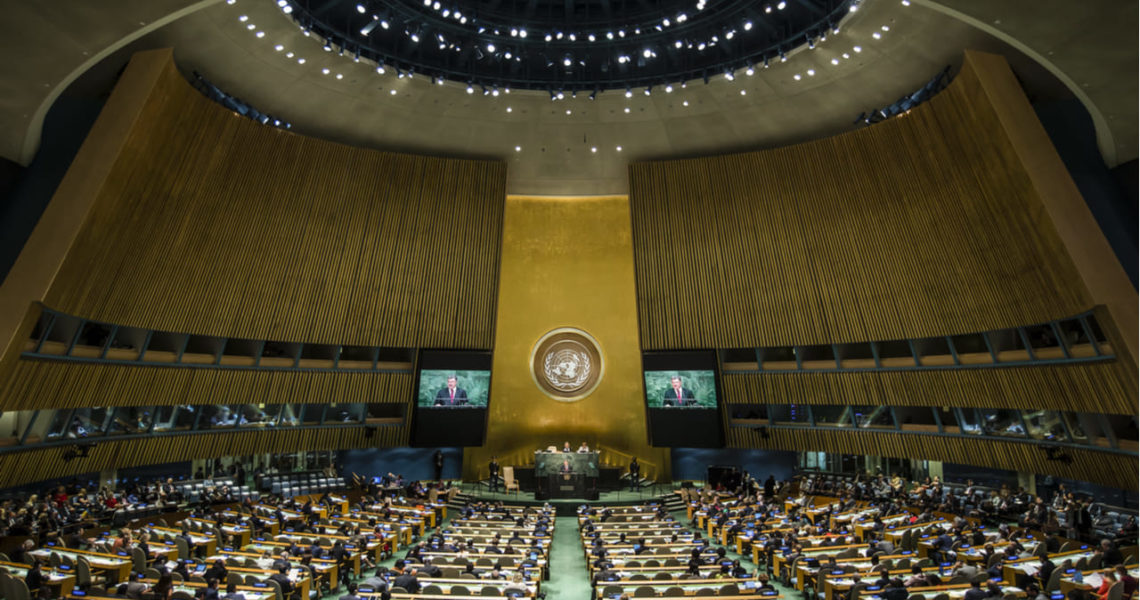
(568, 46)
(581, 144)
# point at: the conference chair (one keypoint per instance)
(509, 482)
(729, 589)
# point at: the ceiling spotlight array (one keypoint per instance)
(563, 46)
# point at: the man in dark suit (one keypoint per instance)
(452, 395)
(437, 462)
(493, 467)
(406, 579)
(678, 394)
(282, 579)
(351, 595)
(634, 475)
(975, 592)
(566, 466)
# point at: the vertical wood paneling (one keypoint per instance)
(214, 224)
(55, 384)
(919, 226)
(1098, 387)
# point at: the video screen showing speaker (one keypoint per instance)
(681, 398)
(453, 391)
(453, 388)
(688, 389)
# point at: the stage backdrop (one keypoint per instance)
(566, 262)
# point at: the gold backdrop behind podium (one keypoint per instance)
(566, 262)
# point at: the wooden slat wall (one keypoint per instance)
(1100, 387)
(36, 465)
(1088, 465)
(922, 225)
(214, 224)
(55, 384)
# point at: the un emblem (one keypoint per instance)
(566, 364)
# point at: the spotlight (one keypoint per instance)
(628, 92)
(470, 89)
(748, 26)
(491, 48)
(359, 8)
(648, 90)
(668, 88)
(782, 5)
(729, 76)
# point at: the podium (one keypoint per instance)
(566, 485)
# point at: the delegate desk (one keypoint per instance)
(251, 592)
(203, 544)
(60, 580)
(117, 567)
(395, 533)
(1092, 580)
(268, 523)
(1010, 569)
(700, 588)
(866, 526)
(239, 533)
(954, 592)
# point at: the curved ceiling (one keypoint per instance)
(576, 145)
(560, 46)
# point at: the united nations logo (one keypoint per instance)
(566, 364)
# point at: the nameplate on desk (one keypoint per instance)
(566, 488)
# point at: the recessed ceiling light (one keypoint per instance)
(279, 47)
(393, 92)
(509, 109)
(594, 149)
(685, 103)
(627, 110)
(619, 148)
(518, 148)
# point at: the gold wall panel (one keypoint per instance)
(922, 225)
(566, 262)
(57, 384)
(48, 463)
(210, 223)
(1088, 465)
(32, 273)
(1105, 387)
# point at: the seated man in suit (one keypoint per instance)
(406, 579)
(677, 394)
(282, 579)
(452, 395)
